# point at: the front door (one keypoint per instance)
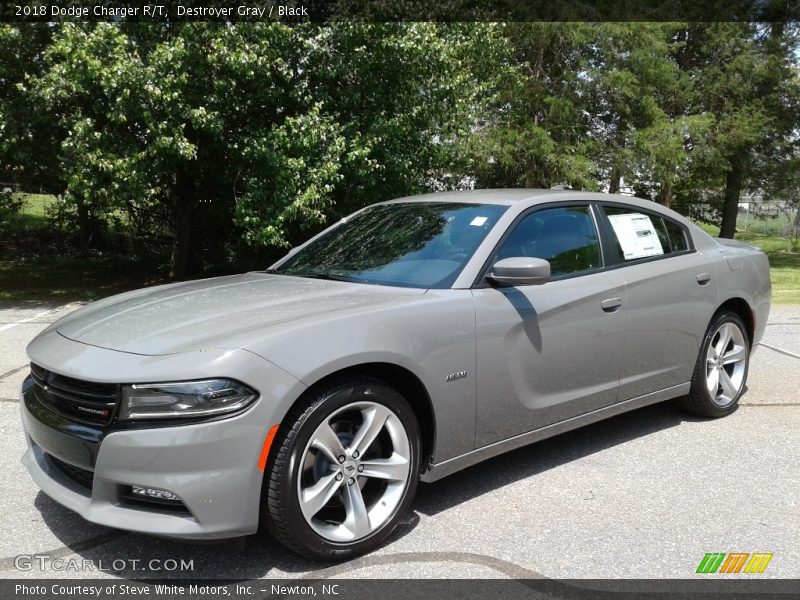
(549, 352)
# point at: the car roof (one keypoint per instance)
(514, 196)
(495, 196)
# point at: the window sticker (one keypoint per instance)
(637, 235)
(479, 221)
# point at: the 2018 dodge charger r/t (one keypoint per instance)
(410, 340)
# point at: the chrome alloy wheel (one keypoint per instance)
(353, 471)
(726, 362)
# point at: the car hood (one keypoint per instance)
(212, 312)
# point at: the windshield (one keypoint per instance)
(414, 244)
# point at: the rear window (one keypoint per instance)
(677, 236)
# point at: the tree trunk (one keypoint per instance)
(730, 206)
(617, 146)
(180, 262)
(84, 223)
(665, 195)
(183, 213)
(615, 182)
(531, 181)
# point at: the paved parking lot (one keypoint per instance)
(642, 495)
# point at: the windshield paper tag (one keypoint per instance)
(479, 221)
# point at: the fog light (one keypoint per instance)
(148, 492)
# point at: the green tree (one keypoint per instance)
(216, 132)
(28, 140)
(640, 107)
(184, 119)
(403, 95)
(743, 80)
(255, 129)
(534, 130)
(625, 71)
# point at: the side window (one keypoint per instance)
(663, 236)
(677, 236)
(566, 237)
(636, 234)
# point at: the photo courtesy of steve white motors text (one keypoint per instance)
(74, 590)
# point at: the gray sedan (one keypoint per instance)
(410, 340)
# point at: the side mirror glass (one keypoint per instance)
(520, 270)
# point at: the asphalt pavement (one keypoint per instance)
(642, 495)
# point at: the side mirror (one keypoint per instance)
(520, 270)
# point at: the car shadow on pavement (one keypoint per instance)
(257, 556)
(545, 455)
(113, 552)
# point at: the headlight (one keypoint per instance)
(184, 400)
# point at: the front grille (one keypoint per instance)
(76, 399)
(82, 477)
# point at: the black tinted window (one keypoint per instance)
(663, 236)
(566, 237)
(413, 244)
(636, 234)
(677, 236)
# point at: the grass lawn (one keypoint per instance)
(61, 280)
(33, 214)
(784, 263)
(785, 271)
(35, 204)
(51, 278)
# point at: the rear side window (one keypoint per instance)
(566, 237)
(663, 236)
(636, 235)
(677, 236)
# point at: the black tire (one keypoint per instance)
(699, 400)
(281, 511)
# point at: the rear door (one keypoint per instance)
(548, 352)
(670, 294)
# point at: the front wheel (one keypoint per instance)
(721, 370)
(345, 472)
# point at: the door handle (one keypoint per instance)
(703, 278)
(611, 304)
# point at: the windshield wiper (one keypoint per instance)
(326, 276)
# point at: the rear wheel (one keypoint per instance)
(344, 471)
(721, 370)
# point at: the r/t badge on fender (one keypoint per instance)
(454, 376)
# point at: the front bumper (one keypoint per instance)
(212, 466)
